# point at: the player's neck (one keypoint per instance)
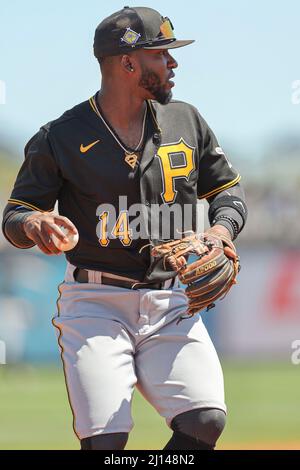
(122, 108)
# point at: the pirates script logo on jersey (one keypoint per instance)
(176, 161)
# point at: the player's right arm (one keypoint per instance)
(28, 218)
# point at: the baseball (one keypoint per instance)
(73, 240)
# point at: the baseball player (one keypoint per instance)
(119, 308)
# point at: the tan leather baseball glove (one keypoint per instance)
(211, 275)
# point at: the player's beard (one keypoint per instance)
(151, 82)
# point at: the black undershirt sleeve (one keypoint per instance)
(224, 213)
(12, 226)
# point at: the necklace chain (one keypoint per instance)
(131, 152)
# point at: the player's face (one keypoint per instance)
(156, 73)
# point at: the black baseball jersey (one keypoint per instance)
(77, 161)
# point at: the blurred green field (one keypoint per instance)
(262, 400)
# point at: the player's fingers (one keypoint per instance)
(65, 222)
(41, 245)
(48, 242)
(52, 247)
(55, 230)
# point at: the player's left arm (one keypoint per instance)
(219, 184)
(228, 209)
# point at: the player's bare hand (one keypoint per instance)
(219, 230)
(40, 226)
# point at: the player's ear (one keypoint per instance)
(127, 64)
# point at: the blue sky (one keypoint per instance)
(239, 72)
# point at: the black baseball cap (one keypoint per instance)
(134, 28)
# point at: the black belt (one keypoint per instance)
(82, 275)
